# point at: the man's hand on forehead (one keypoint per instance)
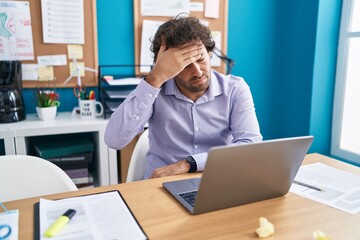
(192, 51)
(171, 61)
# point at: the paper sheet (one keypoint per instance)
(52, 60)
(75, 51)
(215, 60)
(164, 8)
(29, 72)
(98, 216)
(46, 73)
(341, 189)
(212, 8)
(10, 219)
(124, 81)
(63, 21)
(149, 29)
(16, 42)
(73, 66)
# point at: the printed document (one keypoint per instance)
(98, 216)
(340, 189)
(63, 21)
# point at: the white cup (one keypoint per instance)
(88, 109)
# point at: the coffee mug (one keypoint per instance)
(88, 109)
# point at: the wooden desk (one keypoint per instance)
(162, 217)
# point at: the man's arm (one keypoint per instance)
(131, 116)
(179, 167)
(244, 124)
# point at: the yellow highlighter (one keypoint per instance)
(59, 223)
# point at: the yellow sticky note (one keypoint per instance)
(75, 51)
(79, 65)
(45, 73)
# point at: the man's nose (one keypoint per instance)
(196, 70)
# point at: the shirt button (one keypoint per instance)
(136, 117)
(196, 147)
(150, 95)
(197, 129)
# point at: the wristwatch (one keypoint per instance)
(193, 165)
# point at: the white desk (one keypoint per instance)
(16, 138)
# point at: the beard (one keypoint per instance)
(195, 84)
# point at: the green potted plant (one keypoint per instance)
(47, 101)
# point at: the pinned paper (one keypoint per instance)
(215, 60)
(164, 8)
(80, 65)
(196, 7)
(52, 60)
(16, 41)
(46, 73)
(205, 23)
(75, 51)
(29, 72)
(212, 8)
(63, 21)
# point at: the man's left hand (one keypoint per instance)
(179, 167)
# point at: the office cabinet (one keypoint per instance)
(19, 138)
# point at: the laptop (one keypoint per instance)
(240, 174)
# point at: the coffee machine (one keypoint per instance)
(11, 101)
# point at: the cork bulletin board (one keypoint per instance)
(216, 24)
(90, 54)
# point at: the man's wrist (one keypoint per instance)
(152, 80)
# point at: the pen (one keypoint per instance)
(59, 223)
(308, 186)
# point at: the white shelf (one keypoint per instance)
(16, 136)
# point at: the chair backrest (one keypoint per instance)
(137, 161)
(23, 176)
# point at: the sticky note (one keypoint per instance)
(80, 65)
(75, 51)
(46, 73)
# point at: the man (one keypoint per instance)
(188, 106)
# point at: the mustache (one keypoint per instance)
(194, 79)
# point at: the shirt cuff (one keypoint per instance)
(200, 160)
(146, 92)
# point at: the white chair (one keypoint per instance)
(23, 176)
(137, 162)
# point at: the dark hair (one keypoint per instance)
(177, 32)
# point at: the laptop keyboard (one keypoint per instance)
(189, 197)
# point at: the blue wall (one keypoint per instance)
(285, 50)
(328, 24)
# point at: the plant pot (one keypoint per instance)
(46, 113)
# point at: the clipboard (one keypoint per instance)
(37, 234)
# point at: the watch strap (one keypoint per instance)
(193, 165)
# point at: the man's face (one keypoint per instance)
(195, 78)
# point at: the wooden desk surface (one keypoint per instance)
(162, 217)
